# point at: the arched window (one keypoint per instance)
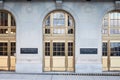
(111, 23)
(111, 41)
(58, 33)
(7, 23)
(7, 41)
(59, 22)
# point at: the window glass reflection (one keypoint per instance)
(70, 48)
(105, 23)
(118, 15)
(59, 19)
(13, 48)
(47, 22)
(58, 49)
(115, 15)
(114, 31)
(3, 31)
(59, 22)
(70, 31)
(13, 21)
(6, 28)
(70, 21)
(47, 48)
(104, 31)
(13, 31)
(112, 20)
(3, 19)
(115, 48)
(59, 31)
(3, 49)
(104, 49)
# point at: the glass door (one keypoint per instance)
(7, 41)
(58, 42)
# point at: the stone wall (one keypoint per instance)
(88, 18)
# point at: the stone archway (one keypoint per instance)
(58, 41)
(7, 40)
(111, 41)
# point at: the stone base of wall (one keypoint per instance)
(88, 68)
(28, 68)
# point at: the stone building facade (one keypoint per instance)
(36, 35)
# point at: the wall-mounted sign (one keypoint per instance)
(29, 50)
(88, 50)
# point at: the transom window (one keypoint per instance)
(58, 19)
(3, 19)
(7, 23)
(59, 22)
(111, 23)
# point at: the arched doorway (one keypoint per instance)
(7, 41)
(111, 41)
(58, 42)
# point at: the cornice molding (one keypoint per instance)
(58, 4)
(1, 4)
(117, 4)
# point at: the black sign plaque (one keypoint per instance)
(88, 50)
(29, 50)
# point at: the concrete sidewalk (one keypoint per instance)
(58, 76)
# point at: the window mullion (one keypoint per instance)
(51, 55)
(66, 25)
(9, 23)
(66, 55)
(109, 19)
(51, 24)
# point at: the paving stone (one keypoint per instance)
(11, 76)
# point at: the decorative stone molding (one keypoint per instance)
(58, 4)
(1, 4)
(117, 4)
